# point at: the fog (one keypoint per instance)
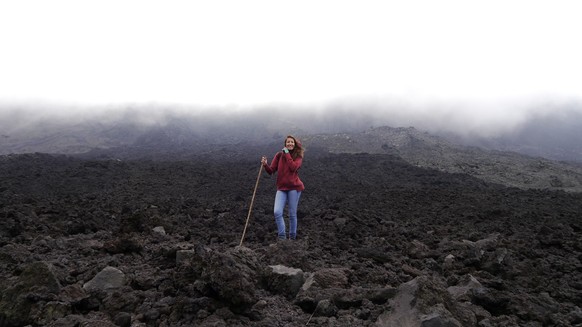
(546, 128)
(485, 120)
(471, 70)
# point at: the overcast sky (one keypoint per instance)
(474, 55)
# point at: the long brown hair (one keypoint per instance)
(298, 150)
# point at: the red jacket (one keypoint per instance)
(287, 172)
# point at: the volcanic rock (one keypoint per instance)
(107, 279)
(381, 241)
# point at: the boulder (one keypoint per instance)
(159, 230)
(463, 289)
(332, 277)
(424, 302)
(232, 276)
(329, 287)
(284, 280)
(107, 279)
(18, 300)
(417, 249)
(73, 294)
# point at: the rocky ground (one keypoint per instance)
(88, 242)
(422, 149)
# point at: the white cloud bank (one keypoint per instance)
(253, 52)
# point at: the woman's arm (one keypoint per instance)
(293, 165)
(270, 169)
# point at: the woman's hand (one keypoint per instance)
(264, 160)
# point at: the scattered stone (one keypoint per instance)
(424, 302)
(159, 230)
(284, 280)
(471, 253)
(325, 308)
(449, 259)
(107, 279)
(462, 291)
(37, 282)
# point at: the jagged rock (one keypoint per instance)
(331, 277)
(73, 294)
(159, 230)
(284, 280)
(411, 270)
(232, 276)
(325, 308)
(463, 289)
(439, 317)
(489, 243)
(21, 295)
(107, 279)
(121, 299)
(51, 311)
(358, 220)
(449, 262)
(497, 262)
(311, 294)
(424, 302)
(417, 249)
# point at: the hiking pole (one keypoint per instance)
(312, 313)
(251, 207)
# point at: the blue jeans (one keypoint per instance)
(292, 199)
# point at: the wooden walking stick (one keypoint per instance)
(251, 207)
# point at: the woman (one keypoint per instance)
(289, 187)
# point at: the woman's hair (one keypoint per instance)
(298, 150)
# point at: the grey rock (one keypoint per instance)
(159, 230)
(37, 282)
(464, 287)
(107, 279)
(284, 280)
(424, 302)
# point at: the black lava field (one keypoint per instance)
(104, 242)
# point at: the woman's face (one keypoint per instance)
(290, 144)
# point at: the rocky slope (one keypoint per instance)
(426, 150)
(136, 135)
(382, 242)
